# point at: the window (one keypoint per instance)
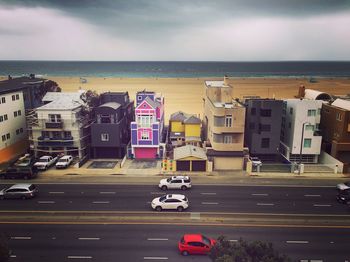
(3, 137)
(310, 127)
(289, 125)
(3, 100)
(105, 119)
(13, 97)
(228, 120)
(56, 135)
(291, 110)
(55, 118)
(145, 135)
(307, 142)
(67, 134)
(21, 130)
(45, 134)
(318, 111)
(339, 116)
(15, 114)
(19, 112)
(17, 97)
(265, 128)
(17, 131)
(8, 136)
(139, 98)
(1, 118)
(5, 117)
(253, 111)
(251, 125)
(227, 139)
(265, 112)
(311, 112)
(104, 137)
(265, 142)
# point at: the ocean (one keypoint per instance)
(176, 69)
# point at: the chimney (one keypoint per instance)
(301, 93)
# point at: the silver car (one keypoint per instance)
(22, 191)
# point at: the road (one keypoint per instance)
(159, 242)
(155, 238)
(246, 199)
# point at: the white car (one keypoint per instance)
(174, 201)
(64, 162)
(255, 161)
(343, 186)
(45, 162)
(175, 182)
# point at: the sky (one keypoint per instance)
(175, 30)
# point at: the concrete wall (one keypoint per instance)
(228, 163)
(327, 159)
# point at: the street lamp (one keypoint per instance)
(301, 145)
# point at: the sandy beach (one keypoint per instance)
(186, 94)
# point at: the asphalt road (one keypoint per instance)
(203, 198)
(159, 242)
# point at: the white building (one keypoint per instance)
(13, 140)
(60, 126)
(300, 130)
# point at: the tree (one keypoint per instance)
(242, 251)
(4, 249)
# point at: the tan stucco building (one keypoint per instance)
(223, 124)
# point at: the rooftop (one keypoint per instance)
(341, 103)
(15, 84)
(188, 151)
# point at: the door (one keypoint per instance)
(183, 165)
(175, 183)
(145, 153)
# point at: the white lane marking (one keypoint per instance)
(312, 195)
(149, 202)
(265, 204)
(22, 238)
(79, 257)
(297, 242)
(210, 203)
(46, 202)
(100, 202)
(233, 240)
(13, 256)
(89, 238)
(157, 193)
(157, 239)
(56, 192)
(322, 205)
(260, 194)
(208, 193)
(155, 258)
(106, 192)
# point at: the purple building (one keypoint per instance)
(147, 129)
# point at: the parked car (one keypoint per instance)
(45, 162)
(191, 244)
(22, 191)
(23, 169)
(64, 161)
(174, 201)
(343, 186)
(255, 161)
(175, 182)
(344, 196)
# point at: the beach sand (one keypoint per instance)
(186, 94)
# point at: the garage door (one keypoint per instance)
(183, 165)
(106, 152)
(145, 153)
(199, 165)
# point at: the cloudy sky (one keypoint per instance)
(181, 30)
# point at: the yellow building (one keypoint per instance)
(184, 129)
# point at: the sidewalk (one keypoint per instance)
(139, 173)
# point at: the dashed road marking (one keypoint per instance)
(322, 205)
(262, 194)
(56, 192)
(155, 258)
(21, 238)
(297, 242)
(157, 193)
(209, 194)
(265, 204)
(157, 239)
(46, 202)
(210, 203)
(89, 238)
(79, 257)
(111, 193)
(100, 202)
(312, 195)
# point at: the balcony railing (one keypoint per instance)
(54, 125)
(59, 142)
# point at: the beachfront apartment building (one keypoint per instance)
(335, 127)
(263, 127)
(223, 126)
(17, 97)
(184, 129)
(300, 136)
(61, 126)
(110, 130)
(147, 129)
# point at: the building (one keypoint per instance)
(110, 130)
(263, 127)
(190, 158)
(61, 126)
(223, 126)
(335, 126)
(17, 96)
(147, 129)
(184, 129)
(300, 136)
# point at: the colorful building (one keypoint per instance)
(147, 129)
(184, 129)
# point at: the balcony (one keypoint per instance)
(58, 142)
(55, 125)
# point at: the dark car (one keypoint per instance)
(344, 196)
(19, 173)
(22, 191)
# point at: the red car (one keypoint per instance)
(195, 244)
